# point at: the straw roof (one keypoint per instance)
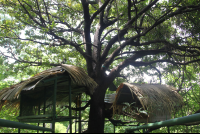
(159, 101)
(80, 82)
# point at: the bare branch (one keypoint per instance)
(108, 33)
(123, 32)
(40, 15)
(44, 43)
(30, 16)
(47, 13)
(18, 59)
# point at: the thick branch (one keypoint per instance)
(87, 25)
(129, 9)
(87, 36)
(115, 71)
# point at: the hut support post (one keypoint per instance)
(168, 129)
(79, 123)
(70, 101)
(76, 114)
(20, 110)
(38, 114)
(54, 105)
(75, 121)
(44, 105)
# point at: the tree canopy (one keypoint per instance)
(104, 37)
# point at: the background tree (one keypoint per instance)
(104, 38)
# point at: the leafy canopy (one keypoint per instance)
(158, 38)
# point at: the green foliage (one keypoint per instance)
(60, 128)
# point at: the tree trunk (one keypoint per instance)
(97, 110)
(96, 117)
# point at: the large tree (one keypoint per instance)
(109, 35)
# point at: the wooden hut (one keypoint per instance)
(38, 96)
(145, 102)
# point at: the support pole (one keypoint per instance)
(70, 101)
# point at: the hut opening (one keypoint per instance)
(38, 97)
(147, 103)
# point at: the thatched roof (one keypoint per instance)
(81, 82)
(158, 100)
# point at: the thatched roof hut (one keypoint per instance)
(145, 102)
(42, 84)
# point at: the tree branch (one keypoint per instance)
(87, 37)
(179, 11)
(123, 32)
(137, 64)
(32, 63)
(129, 9)
(102, 8)
(87, 25)
(158, 72)
(47, 13)
(108, 33)
(30, 16)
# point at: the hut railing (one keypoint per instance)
(14, 124)
(177, 121)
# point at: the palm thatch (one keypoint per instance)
(34, 87)
(146, 102)
(79, 77)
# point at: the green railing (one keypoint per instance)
(177, 121)
(13, 124)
